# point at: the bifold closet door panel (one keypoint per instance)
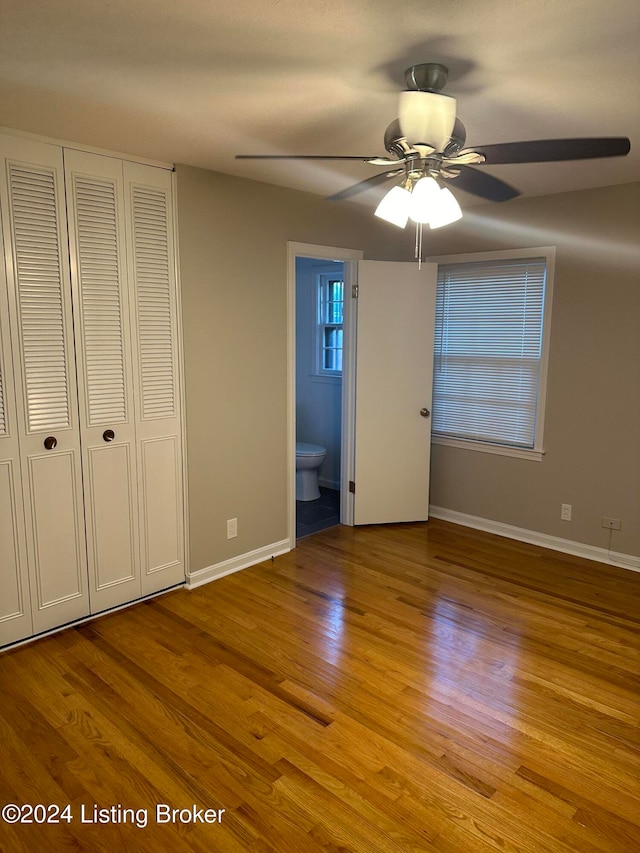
(156, 378)
(36, 255)
(95, 208)
(15, 602)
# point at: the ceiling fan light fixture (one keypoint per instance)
(424, 200)
(446, 210)
(427, 118)
(394, 207)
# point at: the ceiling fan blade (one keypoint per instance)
(305, 157)
(354, 189)
(483, 184)
(549, 150)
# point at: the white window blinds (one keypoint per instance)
(488, 350)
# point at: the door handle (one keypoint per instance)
(425, 412)
(108, 435)
(50, 442)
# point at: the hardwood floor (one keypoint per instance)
(398, 688)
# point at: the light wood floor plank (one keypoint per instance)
(419, 687)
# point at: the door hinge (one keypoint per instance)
(352, 487)
(354, 291)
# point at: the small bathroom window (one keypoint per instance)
(329, 327)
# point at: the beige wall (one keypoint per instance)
(592, 429)
(233, 258)
(233, 236)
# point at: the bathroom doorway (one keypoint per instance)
(319, 358)
(319, 295)
(387, 479)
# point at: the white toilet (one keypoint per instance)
(309, 458)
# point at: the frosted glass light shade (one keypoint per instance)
(427, 118)
(446, 209)
(424, 200)
(394, 207)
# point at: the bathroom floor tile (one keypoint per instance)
(313, 516)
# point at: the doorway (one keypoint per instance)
(319, 396)
(319, 346)
(386, 395)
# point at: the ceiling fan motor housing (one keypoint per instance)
(426, 77)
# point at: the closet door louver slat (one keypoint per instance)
(155, 322)
(39, 285)
(99, 276)
(3, 420)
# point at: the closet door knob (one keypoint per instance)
(50, 442)
(108, 435)
(425, 412)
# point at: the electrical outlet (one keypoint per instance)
(611, 523)
(565, 512)
(232, 528)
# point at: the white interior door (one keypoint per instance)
(95, 200)
(394, 378)
(15, 601)
(35, 241)
(156, 380)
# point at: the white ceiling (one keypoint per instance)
(198, 81)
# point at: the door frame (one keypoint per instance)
(350, 258)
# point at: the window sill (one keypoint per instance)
(497, 449)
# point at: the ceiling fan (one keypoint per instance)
(427, 140)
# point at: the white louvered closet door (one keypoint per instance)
(155, 333)
(15, 602)
(95, 206)
(36, 253)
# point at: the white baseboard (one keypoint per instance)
(555, 543)
(329, 484)
(235, 564)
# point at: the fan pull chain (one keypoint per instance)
(418, 249)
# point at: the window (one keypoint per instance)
(492, 319)
(329, 328)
